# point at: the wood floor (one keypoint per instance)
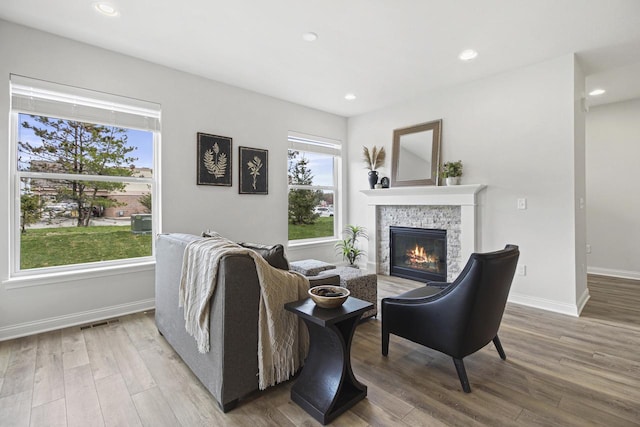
(560, 371)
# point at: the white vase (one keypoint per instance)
(453, 180)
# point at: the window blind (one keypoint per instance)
(301, 142)
(39, 97)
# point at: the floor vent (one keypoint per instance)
(95, 325)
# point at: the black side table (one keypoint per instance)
(326, 386)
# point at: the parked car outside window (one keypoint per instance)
(323, 211)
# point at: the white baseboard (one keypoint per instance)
(582, 301)
(372, 267)
(624, 274)
(53, 323)
(545, 304)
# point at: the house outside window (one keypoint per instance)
(85, 178)
(314, 188)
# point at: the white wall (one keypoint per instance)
(613, 175)
(515, 133)
(580, 191)
(190, 104)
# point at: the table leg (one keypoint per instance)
(326, 386)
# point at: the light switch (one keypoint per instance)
(522, 203)
(522, 270)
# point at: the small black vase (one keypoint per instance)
(373, 179)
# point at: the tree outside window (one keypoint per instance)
(72, 147)
(302, 202)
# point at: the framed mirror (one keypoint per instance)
(416, 155)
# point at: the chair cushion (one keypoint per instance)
(440, 285)
(424, 291)
(274, 254)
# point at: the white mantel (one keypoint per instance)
(455, 195)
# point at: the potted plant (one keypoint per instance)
(348, 247)
(373, 159)
(452, 171)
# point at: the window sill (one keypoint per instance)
(305, 244)
(52, 277)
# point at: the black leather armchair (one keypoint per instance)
(456, 319)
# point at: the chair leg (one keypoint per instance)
(462, 374)
(385, 342)
(496, 342)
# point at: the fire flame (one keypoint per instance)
(419, 256)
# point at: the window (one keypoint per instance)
(314, 188)
(84, 177)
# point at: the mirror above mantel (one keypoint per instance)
(416, 155)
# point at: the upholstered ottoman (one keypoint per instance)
(362, 285)
(310, 267)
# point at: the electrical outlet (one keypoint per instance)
(588, 249)
(522, 270)
(522, 203)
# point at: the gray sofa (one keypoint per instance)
(230, 369)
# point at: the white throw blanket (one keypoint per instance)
(282, 340)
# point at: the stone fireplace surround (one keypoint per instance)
(430, 217)
(451, 208)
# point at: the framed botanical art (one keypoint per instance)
(254, 166)
(214, 160)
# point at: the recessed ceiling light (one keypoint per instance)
(467, 55)
(106, 9)
(597, 92)
(350, 97)
(309, 37)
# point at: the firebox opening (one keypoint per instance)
(418, 253)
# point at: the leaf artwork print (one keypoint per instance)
(215, 162)
(254, 169)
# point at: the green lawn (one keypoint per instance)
(48, 247)
(323, 227)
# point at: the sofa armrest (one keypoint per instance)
(324, 279)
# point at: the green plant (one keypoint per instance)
(451, 169)
(31, 206)
(145, 200)
(373, 159)
(348, 247)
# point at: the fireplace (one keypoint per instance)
(418, 253)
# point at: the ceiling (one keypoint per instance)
(383, 51)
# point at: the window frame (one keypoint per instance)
(319, 145)
(96, 101)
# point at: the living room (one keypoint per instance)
(520, 131)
